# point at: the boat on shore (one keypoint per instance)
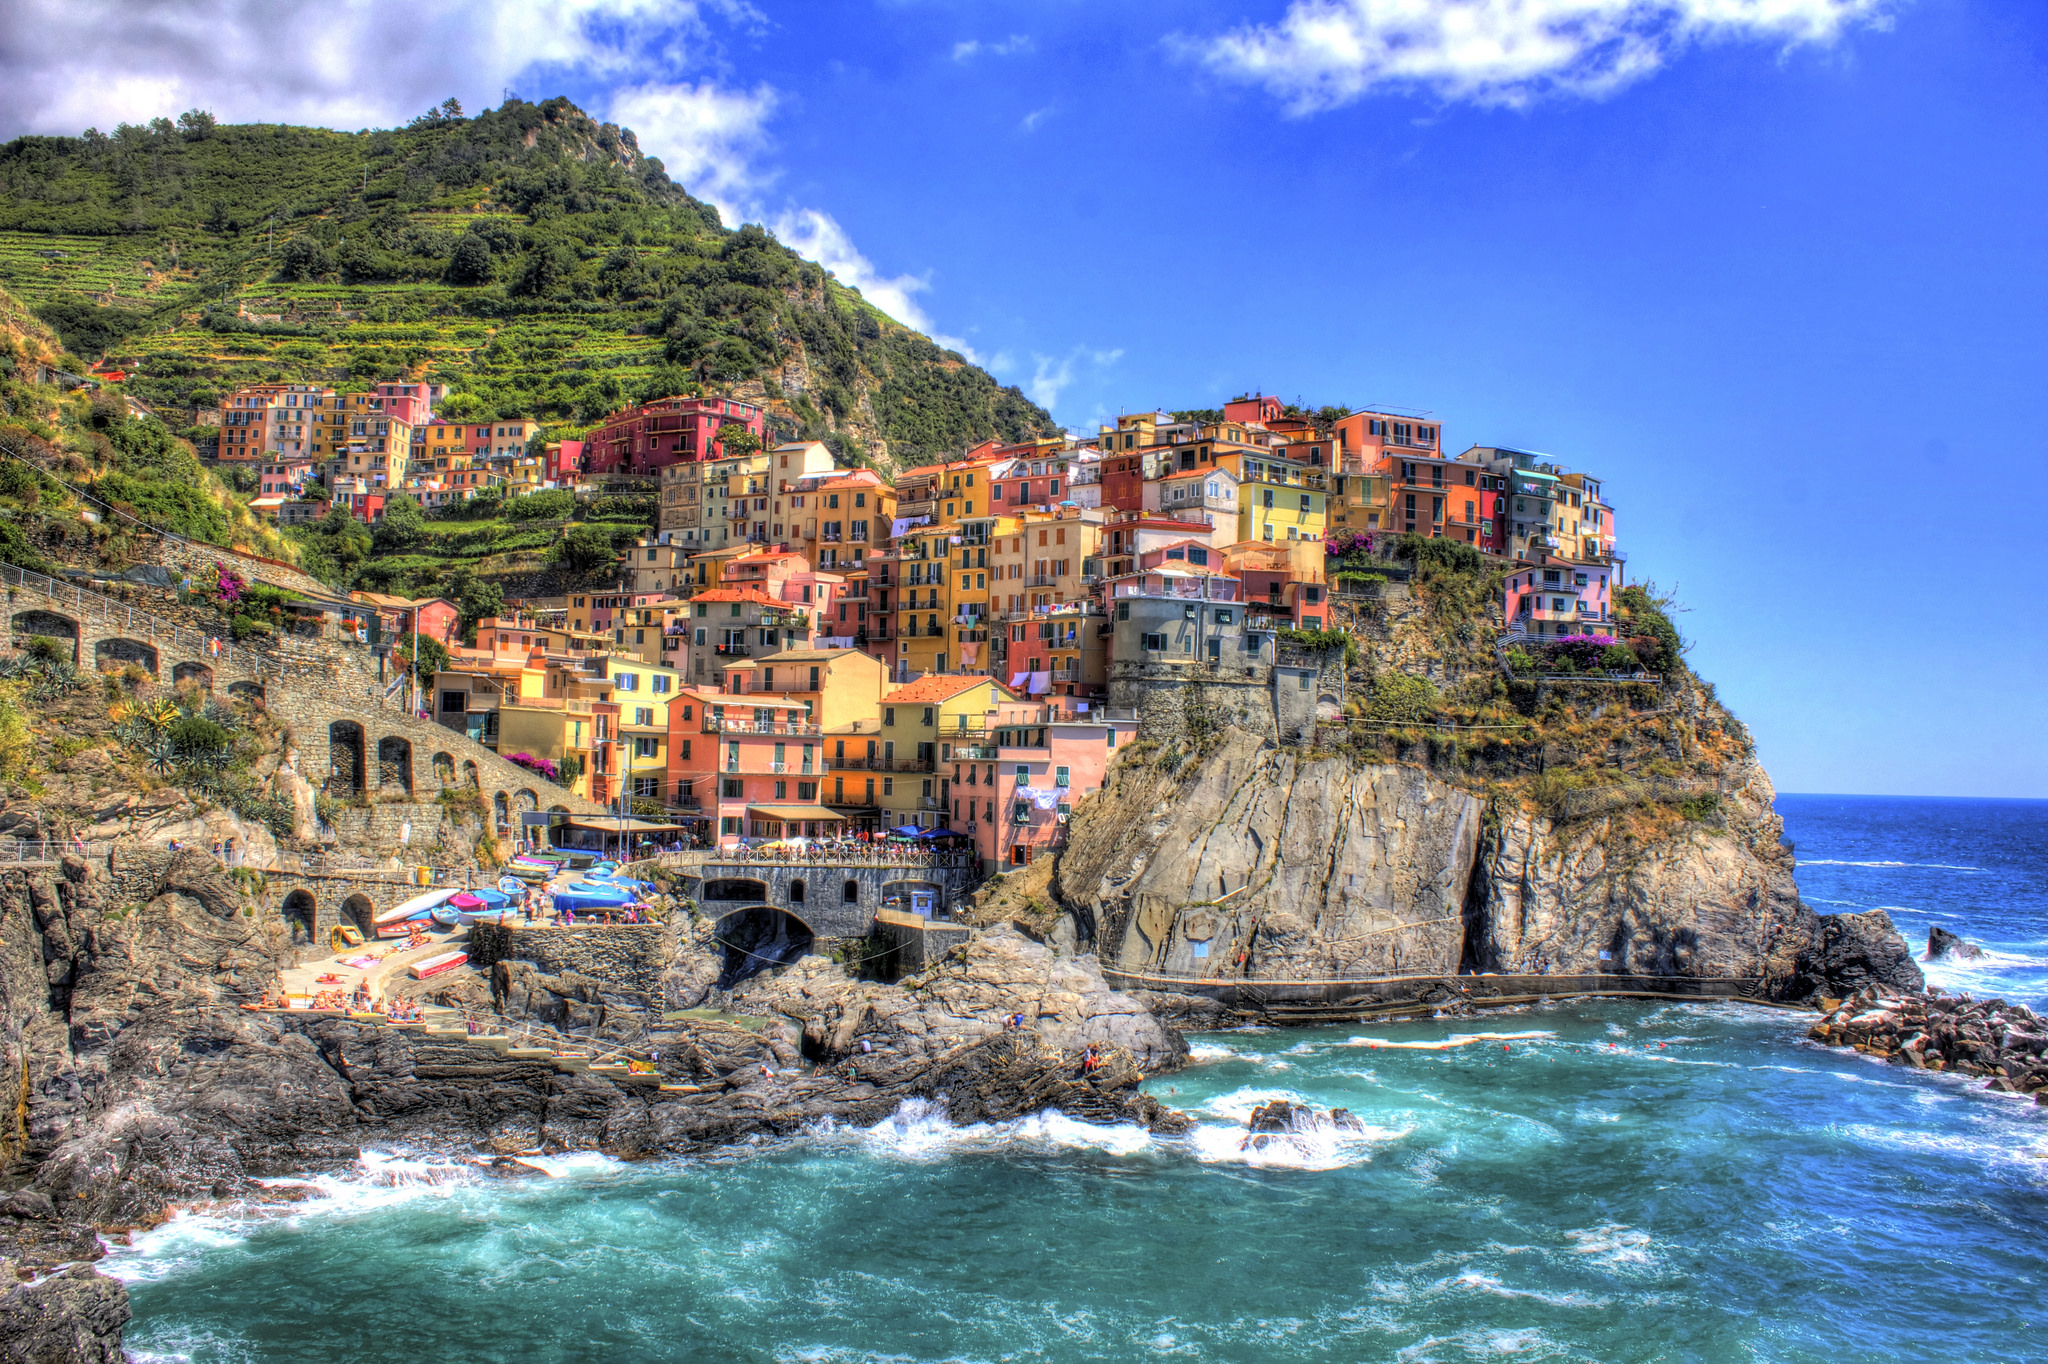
(436, 965)
(392, 922)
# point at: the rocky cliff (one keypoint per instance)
(138, 1081)
(1259, 863)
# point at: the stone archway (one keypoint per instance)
(112, 655)
(394, 762)
(302, 917)
(247, 691)
(759, 938)
(502, 808)
(528, 802)
(470, 777)
(358, 910)
(797, 892)
(345, 758)
(28, 624)
(192, 672)
(741, 888)
(444, 769)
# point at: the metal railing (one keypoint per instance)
(714, 724)
(23, 851)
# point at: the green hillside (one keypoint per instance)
(531, 257)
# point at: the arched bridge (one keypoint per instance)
(832, 899)
(348, 737)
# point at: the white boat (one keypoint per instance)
(418, 904)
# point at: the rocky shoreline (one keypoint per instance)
(2004, 1044)
(147, 1083)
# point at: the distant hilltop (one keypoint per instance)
(530, 258)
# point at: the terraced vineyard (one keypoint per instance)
(530, 257)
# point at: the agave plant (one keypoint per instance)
(162, 755)
(158, 714)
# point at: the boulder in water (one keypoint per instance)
(1277, 1116)
(1942, 943)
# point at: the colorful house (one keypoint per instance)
(752, 766)
(1014, 792)
(1558, 597)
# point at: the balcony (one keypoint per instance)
(865, 764)
(714, 724)
(930, 803)
(733, 651)
(975, 753)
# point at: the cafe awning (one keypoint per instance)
(790, 814)
(612, 824)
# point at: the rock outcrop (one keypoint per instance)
(148, 1084)
(1256, 863)
(1942, 943)
(1260, 862)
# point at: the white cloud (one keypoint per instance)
(818, 235)
(708, 138)
(1051, 375)
(1015, 45)
(1325, 53)
(1031, 120)
(68, 64)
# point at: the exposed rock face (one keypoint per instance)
(1002, 974)
(1942, 943)
(1850, 952)
(148, 1084)
(1295, 870)
(1267, 865)
(54, 1307)
(1699, 900)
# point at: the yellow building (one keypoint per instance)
(1357, 502)
(838, 686)
(924, 599)
(1279, 499)
(925, 725)
(642, 692)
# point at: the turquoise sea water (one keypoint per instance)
(1608, 1181)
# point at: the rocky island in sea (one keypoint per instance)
(990, 851)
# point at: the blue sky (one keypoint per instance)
(1774, 268)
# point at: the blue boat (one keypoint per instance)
(512, 886)
(579, 900)
(622, 882)
(448, 916)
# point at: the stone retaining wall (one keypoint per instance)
(630, 957)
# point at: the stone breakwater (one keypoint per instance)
(2005, 1043)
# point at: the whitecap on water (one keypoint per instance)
(1209, 1051)
(1317, 1145)
(1481, 1343)
(1843, 862)
(920, 1130)
(1482, 1282)
(1455, 1040)
(1612, 1244)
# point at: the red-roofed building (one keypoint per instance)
(648, 437)
(721, 624)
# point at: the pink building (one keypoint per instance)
(412, 404)
(1559, 597)
(1013, 794)
(752, 766)
(650, 436)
